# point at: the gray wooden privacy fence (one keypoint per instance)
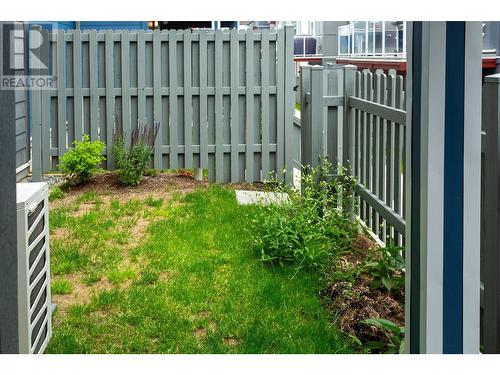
(224, 99)
(357, 120)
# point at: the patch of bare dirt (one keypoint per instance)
(166, 275)
(357, 303)
(59, 233)
(255, 186)
(138, 232)
(108, 186)
(83, 208)
(200, 315)
(108, 181)
(200, 333)
(231, 341)
(81, 293)
(212, 326)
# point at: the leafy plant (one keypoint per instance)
(131, 162)
(393, 333)
(82, 162)
(387, 268)
(310, 225)
(56, 193)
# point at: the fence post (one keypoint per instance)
(36, 113)
(316, 118)
(334, 86)
(491, 239)
(348, 123)
(348, 131)
(289, 101)
(305, 119)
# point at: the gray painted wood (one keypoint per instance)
(289, 99)
(369, 148)
(157, 101)
(235, 175)
(110, 102)
(36, 121)
(188, 112)
(305, 120)
(280, 117)
(378, 147)
(61, 102)
(125, 91)
(77, 85)
(374, 111)
(141, 78)
(265, 104)
(219, 140)
(249, 108)
(203, 101)
(220, 97)
(172, 66)
(94, 103)
(491, 239)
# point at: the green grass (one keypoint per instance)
(61, 287)
(193, 285)
(56, 193)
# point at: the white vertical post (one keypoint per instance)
(444, 122)
(472, 186)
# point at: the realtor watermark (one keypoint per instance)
(25, 61)
(27, 82)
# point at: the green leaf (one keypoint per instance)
(383, 324)
(387, 283)
(402, 347)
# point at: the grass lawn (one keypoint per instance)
(173, 272)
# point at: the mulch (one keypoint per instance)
(361, 302)
(108, 182)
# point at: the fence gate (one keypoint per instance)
(224, 98)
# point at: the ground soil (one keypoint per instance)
(104, 182)
(361, 302)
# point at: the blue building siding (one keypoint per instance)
(97, 25)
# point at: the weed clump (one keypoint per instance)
(312, 224)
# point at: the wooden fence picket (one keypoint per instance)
(224, 99)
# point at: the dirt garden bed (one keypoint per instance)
(352, 302)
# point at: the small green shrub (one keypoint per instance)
(56, 193)
(132, 162)
(394, 335)
(82, 162)
(61, 287)
(387, 269)
(311, 225)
